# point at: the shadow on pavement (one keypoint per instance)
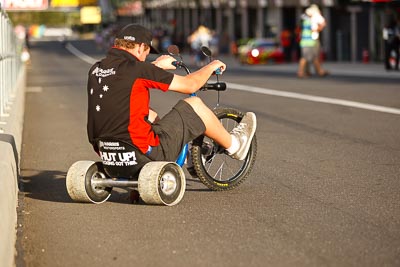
(44, 185)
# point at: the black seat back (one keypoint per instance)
(121, 159)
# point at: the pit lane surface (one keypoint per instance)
(324, 190)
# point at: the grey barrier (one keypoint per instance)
(12, 96)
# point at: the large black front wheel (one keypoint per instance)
(215, 169)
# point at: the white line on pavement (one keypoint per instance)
(319, 99)
(79, 54)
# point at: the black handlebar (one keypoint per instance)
(180, 64)
(218, 86)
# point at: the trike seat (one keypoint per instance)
(121, 159)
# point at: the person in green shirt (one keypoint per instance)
(313, 23)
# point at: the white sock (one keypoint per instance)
(234, 145)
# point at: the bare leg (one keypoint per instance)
(214, 128)
(318, 67)
(302, 66)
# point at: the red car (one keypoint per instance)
(260, 51)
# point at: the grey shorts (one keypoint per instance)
(310, 53)
(178, 127)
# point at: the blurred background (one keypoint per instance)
(322, 194)
(353, 32)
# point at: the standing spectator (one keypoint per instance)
(391, 37)
(313, 24)
(200, 37)
(286, 43)
(27, 38)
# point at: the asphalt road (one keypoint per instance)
(324, 190)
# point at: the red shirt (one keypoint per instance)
(118, 98)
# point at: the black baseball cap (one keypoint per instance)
(138, 34)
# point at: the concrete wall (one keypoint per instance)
(10, 148)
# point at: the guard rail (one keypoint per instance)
(12, 95)
(10, 64)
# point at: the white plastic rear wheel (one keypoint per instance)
(79, 182)
(161, 183)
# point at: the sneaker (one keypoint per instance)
(244, 131)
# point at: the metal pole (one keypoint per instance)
(245, 20)
(260, 22)
(218, 27)
(195, 18)
(231, 23)
(372, 32)
(186, 25)
(326, 33)
(353, 30)
(353, 25)
(339, 45)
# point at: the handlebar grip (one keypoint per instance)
(175, 63)
(218, 86)
(218, 71)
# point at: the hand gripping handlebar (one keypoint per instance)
(218, 86)
(176, 63)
